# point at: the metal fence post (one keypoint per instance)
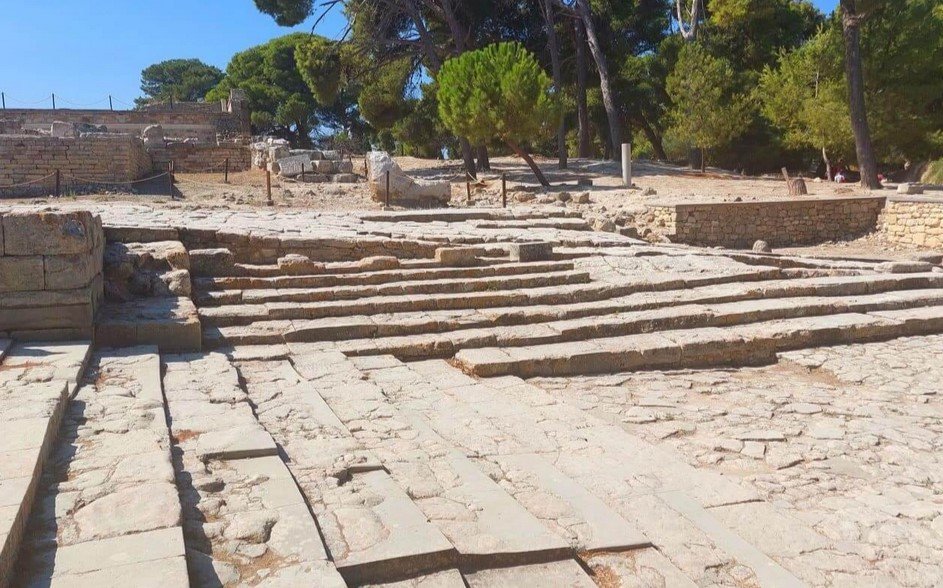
(504, 190)
(387, 188)
(226, 178)
(268, 186)
(58, 184)
(53, 101)
(170, 179)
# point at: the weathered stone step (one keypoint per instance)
(113, 460)
(485, 524)
(422, 323)
(244, 314)
(378, 277)
(741, 345)
(372, 528)
(443, 345)
(446, 286)
(172, 324)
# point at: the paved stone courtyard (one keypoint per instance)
(474, 398)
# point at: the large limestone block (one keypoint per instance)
(293, 165)
(50, 233)
(212, 262)
(21, 274)
(62, 129)
(403, 189)
(68, 272)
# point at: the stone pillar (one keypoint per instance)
(627, 165)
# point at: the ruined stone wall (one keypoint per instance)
(913, 220)
(50, 274)
(780, 223)
(186, 119)
(195, 157)
(81, 162)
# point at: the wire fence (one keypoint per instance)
(55, 101)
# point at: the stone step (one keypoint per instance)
(108, 511)
(36, 381)
(407, 273)
(443, 345)
(486, 525)
(372, 528)
(422, 323)
(445, 286)
(749, 344)
(244, 314)
(172, 324)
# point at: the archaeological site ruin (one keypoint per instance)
(472, 295)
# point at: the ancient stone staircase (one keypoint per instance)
(565, 317)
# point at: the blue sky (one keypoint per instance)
(84, 50)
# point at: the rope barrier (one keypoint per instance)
(30, 182)
(105, 183)
(180, 180)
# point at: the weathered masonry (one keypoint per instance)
(914, 220)
(780, 223)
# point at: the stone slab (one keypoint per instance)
(532, 251)
(768, 572)
(172, 324)
(235, 443)
(104, 554)
(162, 573)
(600, 528)
(69, 272)
(565, 574)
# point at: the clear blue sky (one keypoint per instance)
(84, 50)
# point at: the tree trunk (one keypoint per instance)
(468, 156)
(653, 138)
(530, 161)
(557, 71)
(854, 72)
(585, 148)
(484, 162)
(703, 160)
(691, 33)
(828, 165)
(605, 85)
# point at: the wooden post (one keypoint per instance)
(387, 188)
(53, 101)
(170, 179)
(226, 172)
(110, 105)
(3, 97)
(302, 171)
(504, 190)
(268, 186)
(467, 189)
(58, 184)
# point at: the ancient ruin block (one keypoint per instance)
(534, 251)
(403, 189)
(456, 256)
(212, 262)
(49, 233)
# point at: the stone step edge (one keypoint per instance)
(209, 284)
(716, 347)
(339, 293)
(216, 336)
(444, 345)
(221, 316)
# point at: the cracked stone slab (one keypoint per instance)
(566, 573)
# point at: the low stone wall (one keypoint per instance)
(50, 274)
(81, 162)
(195, 157)
(182, 119)
(780, 223)
(913, 220)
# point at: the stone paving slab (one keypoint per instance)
(565, 573)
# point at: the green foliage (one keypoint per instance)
(496, 93)
(280, 99)
(707, 108)
(806, 98)
(934, 173)
(286, 13)
(319, 62)
(420, 132)
(381, 98)
(186, 80)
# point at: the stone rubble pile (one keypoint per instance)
(308, 165)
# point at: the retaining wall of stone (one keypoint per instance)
(50, 274)
(913, 220)
(81, 161)
(196, 157)
(781, 223)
